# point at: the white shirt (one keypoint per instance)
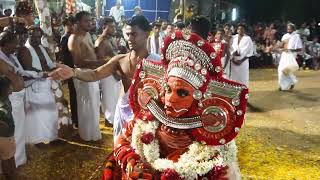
(294, 40)
(117, 13)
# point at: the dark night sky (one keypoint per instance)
(266, 10)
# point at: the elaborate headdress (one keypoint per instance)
(217, 113)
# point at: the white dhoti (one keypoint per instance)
(244, 49)
(229, 154)
(110, 90)
(41, 113)
(240, 73)
(17, 100)
(287, 64)
(226, 64)
(88, 98)
(123, 115)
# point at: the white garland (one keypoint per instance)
(197, 161)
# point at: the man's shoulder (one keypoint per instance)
(120, 57)
(65, 36)
(76, 37)
(23, 50)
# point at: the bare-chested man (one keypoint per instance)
(110, 86)
(137, 31)
(83, 54)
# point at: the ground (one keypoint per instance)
(279, 140)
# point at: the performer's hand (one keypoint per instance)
(142, 171)
(130, 165)
(62, 72)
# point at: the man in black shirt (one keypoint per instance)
(68, 24)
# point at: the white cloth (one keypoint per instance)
(41, 110)
(41, 113)
(152, 42)
(286, 80)
(110, 90)
(123, 112)
(117, 13)
(17, 100)
(240, 73)
(35, 58)
(226, 64)
(88, 98)
(234, 171)
(294, 41)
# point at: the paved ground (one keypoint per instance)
(280, 138)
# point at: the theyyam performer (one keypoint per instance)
(186, 117)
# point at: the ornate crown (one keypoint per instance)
(217, 113)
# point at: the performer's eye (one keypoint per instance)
(182, 92)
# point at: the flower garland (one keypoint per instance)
(197, 161)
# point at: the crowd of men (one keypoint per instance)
(100, 57)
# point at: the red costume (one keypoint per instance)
(185, 116)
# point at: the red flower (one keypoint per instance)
(147, 138)
(170, 174)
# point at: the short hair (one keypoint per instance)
(137, 8)
(107, 20)
(33, 28)
(226, 25)
(218, 30)
(292, 26)
(68, 20)
(170, 24)
(242, 25)
(81, 14)
(6, 10)
(201, 26)
(180, 25)
(7, 37)
(156, 23)
(141, 22)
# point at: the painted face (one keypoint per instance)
(178, 97)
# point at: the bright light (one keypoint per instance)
(234, 14)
